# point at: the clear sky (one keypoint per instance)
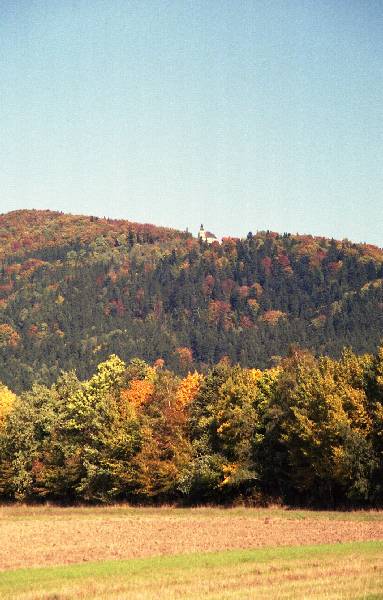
(241, 114)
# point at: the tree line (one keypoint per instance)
(306, 432)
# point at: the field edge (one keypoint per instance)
(37, 578)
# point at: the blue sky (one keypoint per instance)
(243, 115)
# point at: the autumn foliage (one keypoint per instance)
(308, 431)
(75, 289)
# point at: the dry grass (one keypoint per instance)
(46, 536)
(347, 571)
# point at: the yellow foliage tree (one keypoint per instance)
(7, 399)
(188, 389)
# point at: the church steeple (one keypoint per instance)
(206, 236)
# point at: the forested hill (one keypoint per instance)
(75, 289)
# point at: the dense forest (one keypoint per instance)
(309, 431)
(74, 290)
(140, 363)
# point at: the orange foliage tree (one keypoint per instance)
(8, 336)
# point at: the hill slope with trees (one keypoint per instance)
(75, 289)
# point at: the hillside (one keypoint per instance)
(74, 289)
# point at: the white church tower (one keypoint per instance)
(206, 236)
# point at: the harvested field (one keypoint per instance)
(32, 537)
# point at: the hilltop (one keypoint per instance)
(25, 231)
(74, 289)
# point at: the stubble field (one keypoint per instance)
(143, 553)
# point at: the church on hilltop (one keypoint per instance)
(206, 236)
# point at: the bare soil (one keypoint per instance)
(58, 537)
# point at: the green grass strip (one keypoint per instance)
(20, 580)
